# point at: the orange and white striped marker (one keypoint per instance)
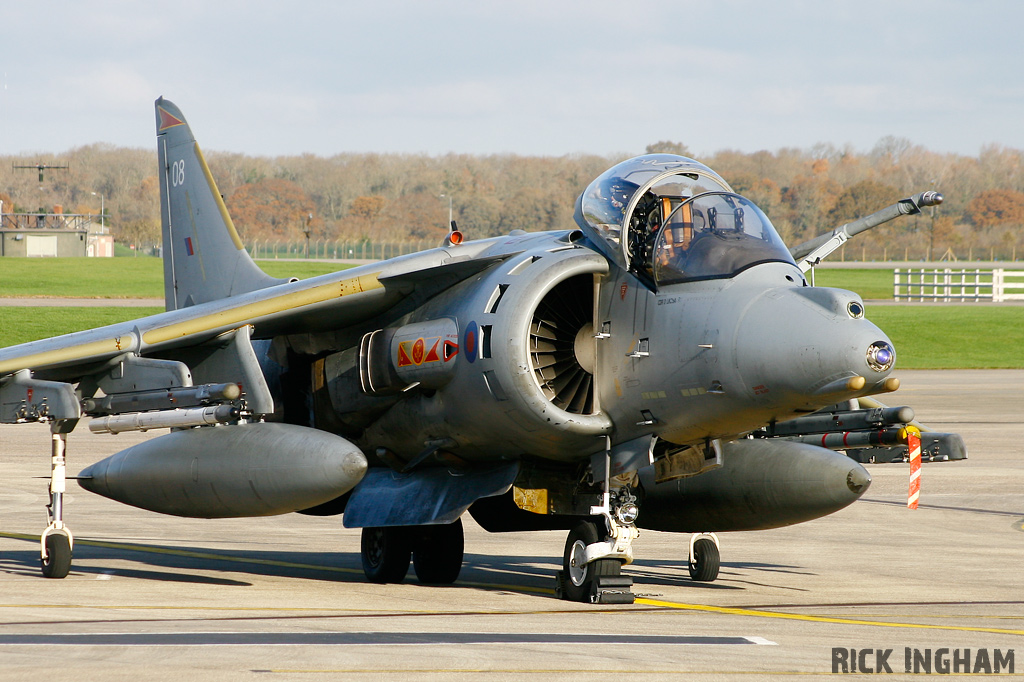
(914, 446)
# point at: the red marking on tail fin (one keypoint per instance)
(168, 120)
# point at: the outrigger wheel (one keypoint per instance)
(581, 578)
(57, 562)
(705, 560)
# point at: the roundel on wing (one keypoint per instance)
(469, 341)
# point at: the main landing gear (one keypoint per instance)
(436, 552)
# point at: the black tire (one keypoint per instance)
(57, 563)
(385, 553)
(437, 554)
(579, 579)
(705, 561)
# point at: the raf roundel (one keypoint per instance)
(469, 341)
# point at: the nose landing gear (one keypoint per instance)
(595, 552)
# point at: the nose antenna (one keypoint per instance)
(812, 252)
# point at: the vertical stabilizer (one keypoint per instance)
(204, 258)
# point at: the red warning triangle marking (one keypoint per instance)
(432, 355)
(403, 356)
(168, 120)
(451, 349)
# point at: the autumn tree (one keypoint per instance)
(806, 202)
(996, 207)
(667, 147)
(271, 208)
(860, 200)
(137, 221)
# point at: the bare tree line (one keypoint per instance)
(406, 197)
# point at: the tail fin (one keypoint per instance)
(204, 258)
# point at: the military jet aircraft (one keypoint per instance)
(596, 380)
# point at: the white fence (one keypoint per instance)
(948, 285)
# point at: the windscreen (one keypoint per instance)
(712, 235)
(609, 204)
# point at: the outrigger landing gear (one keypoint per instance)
(705, 557)
(56, 542)
(25, 400)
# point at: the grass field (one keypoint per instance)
(19, 325)
(115, 277)
(926, 336)
(953, 336)
(868, 283)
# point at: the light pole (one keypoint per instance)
(306, 230)
(102, 208)
(449, 209)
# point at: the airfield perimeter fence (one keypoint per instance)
(947, 285)
(337, 249)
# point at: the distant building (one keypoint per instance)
(56, 234)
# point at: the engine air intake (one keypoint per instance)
(557, 322)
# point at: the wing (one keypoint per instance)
(213, 287)
(329, 301)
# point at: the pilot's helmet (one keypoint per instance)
(614, 193)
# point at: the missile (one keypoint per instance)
(762, 483)
(230, 471)
(850, 440)
(182, 396)
(164, 419)
(847, 420)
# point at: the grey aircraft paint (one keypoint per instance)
(541, 380)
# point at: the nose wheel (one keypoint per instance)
(581, 580)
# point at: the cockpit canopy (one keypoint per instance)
(681, 221)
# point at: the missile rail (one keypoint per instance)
(873, 434)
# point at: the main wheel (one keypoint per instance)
(57, 563)
(437, 554)
(579, 576)
(705, 560)
(385, 554)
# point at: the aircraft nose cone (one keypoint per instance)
(94, 477)
(858, 480)
(809, 347)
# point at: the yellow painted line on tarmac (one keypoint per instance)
(193, 555)
(724, 610)
(820, 619)
(263, 562)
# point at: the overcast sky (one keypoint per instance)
(549, 77)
